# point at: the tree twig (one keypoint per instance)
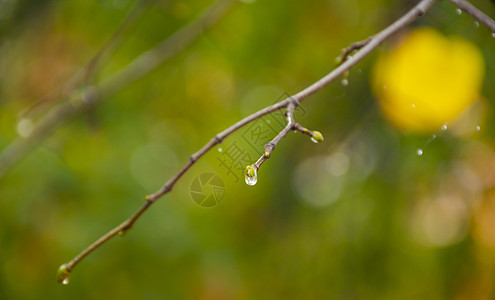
(316, 137)
(270, 146)
(91, 95)
(354, 46)
(476, 13)
(375, 41)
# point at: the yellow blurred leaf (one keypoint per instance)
(428, 80)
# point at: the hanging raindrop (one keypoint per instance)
(458, 11)
(476, 24)
(419, 152)
(444, 127)
(478, 128)
(345, 82)
(251, 175)
(220, 149)
(63, 275)
(493, 35)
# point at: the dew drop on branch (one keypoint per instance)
(419, 152)
(220, 149)
(458, 11)
(63, 274)
(493, 35)
(345, 82)
(478, 128)
(476, 24)
(444, 127)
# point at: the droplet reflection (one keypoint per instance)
(251, 177)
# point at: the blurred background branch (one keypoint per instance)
(84, 75)
(93, 94)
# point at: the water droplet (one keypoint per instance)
(345, 82)
(478, 128)
(63, 274)
(458, 11)
(434, 136)
(220, 149)
(419, 152)
(476, 24)
(413, 106)
(251, 175)
(493, 35)
(444, 127)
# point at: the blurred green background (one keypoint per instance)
(359, 216)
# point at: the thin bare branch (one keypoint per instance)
(91, 95)
(270, 146)
(353, 47)
(476, 13)
(291, 101)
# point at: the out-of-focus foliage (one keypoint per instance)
(358, 216)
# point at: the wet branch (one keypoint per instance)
(270, 146)
(353, 47)
(372, 43)
(316, 137)
(476, 13)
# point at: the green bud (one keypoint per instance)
(317, 137)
